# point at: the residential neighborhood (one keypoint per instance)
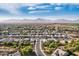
(42, 39)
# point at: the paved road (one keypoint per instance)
(38, 50)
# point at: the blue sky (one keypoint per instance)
(42, 10)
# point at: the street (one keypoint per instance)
(38, 49)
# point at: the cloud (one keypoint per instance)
(22, 9)
(11, 8)
(40, 11)
(31, 8)
(4, 12)
(58, 8)
(39, 6)
(36, 8)
(30, 4)
(43, 5)
(19, 9)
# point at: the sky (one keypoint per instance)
(39, 10)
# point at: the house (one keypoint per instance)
(15, 54)
(60, 52)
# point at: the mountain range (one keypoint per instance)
(40, 20)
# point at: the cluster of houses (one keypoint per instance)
(7, 51)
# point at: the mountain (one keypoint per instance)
(62, 21)
(40, 20)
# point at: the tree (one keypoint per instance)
(26, 50)
(66, 42)
(53, 45)
(8, 43)
(77, 48)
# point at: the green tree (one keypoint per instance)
(53, 45)
(26, 50)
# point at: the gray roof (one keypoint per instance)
(59, 52)
(15, 54)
